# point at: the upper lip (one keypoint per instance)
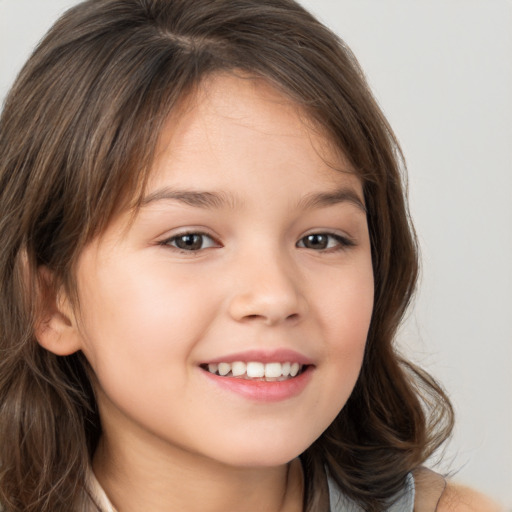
(280, 355)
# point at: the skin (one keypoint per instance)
(151, 314)
(459, 498)
(431, 492)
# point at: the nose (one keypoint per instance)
(267, 290)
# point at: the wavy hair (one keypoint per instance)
(77, 136)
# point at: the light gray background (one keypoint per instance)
(442, 72)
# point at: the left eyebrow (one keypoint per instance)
(324, 199)
(196, 198)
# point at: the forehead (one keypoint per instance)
(234, 125)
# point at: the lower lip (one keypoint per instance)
(263, 391)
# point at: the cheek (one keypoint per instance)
(140, 318)
(346, 300)
(346, 311)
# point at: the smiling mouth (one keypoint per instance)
(255, 370)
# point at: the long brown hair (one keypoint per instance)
(77, 135)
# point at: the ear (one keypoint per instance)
(56, 327)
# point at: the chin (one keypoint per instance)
(256, 456)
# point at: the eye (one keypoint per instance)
(324, 242)
(191, 242)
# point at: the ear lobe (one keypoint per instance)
(55, 327)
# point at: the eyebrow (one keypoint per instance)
(199, 199)
(217, 200)
(324, 199)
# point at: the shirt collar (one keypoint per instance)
(98, 495)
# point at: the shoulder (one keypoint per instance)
(434, 493)
(459, 498)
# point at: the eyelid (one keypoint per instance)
(166, 242)
(344, 241)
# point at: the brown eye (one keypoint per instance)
(324, 242)
(316, 241)
(191, 242)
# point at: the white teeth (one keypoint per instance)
(255, 370)
(224, 368)
(273, 370)
(238, 368)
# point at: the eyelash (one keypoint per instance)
(341, 242)
(169, 241)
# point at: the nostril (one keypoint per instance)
(251, 318)
(269, 308)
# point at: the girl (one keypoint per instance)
(206, 254)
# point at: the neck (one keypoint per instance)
(161, 480)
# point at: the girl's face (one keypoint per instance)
(250, 254)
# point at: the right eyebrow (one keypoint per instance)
(199, 199)
(324, 199)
